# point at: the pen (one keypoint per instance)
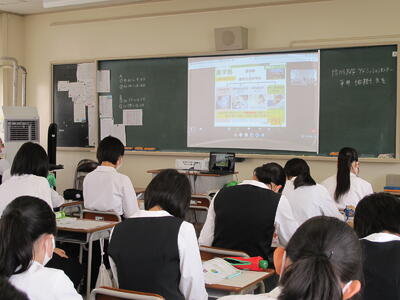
(233, 275)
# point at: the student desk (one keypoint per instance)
(94, 231)
(203, 183)
(246, 283)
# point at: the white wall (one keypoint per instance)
(47, 40)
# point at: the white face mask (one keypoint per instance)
(46, 257)
(346, 286)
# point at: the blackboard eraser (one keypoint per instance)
(386, 155)
(138, 148)
(150, 149)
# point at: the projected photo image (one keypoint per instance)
(266, 101)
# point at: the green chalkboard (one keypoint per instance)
(357, 101)
(159, 88)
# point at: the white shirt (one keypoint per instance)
(41, 283)
(105, 189)
(192, 284)
(310, 201)
(359, 188)
(4, 165)
(24, 185)
(285, 223)
(273, 295)
(56, 198)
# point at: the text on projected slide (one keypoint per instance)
(254, 101)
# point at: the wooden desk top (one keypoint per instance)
(198, 173)
(260, 276)
(71, 203)
(102, 225)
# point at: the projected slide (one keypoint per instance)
(254, 101)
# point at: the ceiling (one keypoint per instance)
(27, 7)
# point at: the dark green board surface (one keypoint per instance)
(357, 101)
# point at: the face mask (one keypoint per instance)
(344, 289)
(118, 166)
(46, 257)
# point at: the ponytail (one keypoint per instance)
(346, 157)
(311, 278)
(23, 221)
(297, 167)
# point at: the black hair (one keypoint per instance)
(271, 173)
(346, 157)
(32, 159)
(9, 292)
(23, 221)
(297, 167)
(376, 213)
(324, 252)
(110, 149)
(170, 190)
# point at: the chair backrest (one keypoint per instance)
(100, 215)
(108, 293)
(84, 167)
(208, 253)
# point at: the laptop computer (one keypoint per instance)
(221, 163)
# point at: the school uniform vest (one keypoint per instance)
(244, 219)
(381, 264)
(145, 252)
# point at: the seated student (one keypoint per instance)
(377, 223)
(28, 176)
(155, 250)
(346, 188)
(27, 230)
(322, 262)
(244, 217)
(105, 189)
(4, 164)
(307, 198)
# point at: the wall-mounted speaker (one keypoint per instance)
(231, 38)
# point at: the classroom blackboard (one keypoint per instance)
(70, 133)
(358, 88)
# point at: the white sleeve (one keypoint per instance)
(206, 237)
(64, 289)
(328, 205)
(129, 202)
(45, 191)
(192, 284)
(56, 199)
(285, 223)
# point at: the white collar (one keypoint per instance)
(106, 169)
(382, 237)
(151, 213)
(255, 183)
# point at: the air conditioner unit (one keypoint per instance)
(21, 125)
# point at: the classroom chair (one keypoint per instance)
(100, 215)
(207, 253)
(198, 209)
(108, 293)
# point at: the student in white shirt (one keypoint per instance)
(346, 188)
(28, 176)
(155, 250)
(321, 262)
(377, 223)
(105, 189)
(244, 217)
(27, 230)
(307, 198)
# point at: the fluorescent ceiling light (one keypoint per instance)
(60, 3)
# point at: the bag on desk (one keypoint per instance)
(105, 277)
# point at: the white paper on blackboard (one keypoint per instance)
(132, 117)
